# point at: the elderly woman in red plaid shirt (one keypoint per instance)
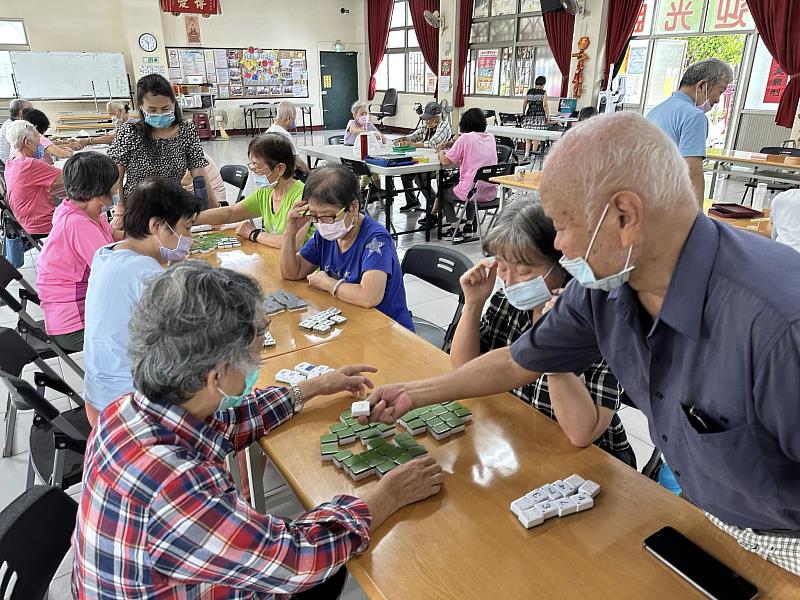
(160, 516)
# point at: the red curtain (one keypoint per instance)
(464, 29)
(559, 25)
(427, 36)
(621, 21)
(776, 21)
(379, 15)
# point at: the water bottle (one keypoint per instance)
(200, 191)
(760, 196)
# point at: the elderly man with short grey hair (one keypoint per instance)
(285, 119)
(16, 108)
(159, 515)
(690, 316)
(682, 116)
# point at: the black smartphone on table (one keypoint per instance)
(698, 567)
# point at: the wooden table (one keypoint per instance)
(507, 182)
(767, 167)
(761, 225)
(465, 543)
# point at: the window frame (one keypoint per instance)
(8, 48)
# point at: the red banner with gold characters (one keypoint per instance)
(197, 7)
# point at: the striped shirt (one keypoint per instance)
(160, 518)
(502, 325)
(430, 137)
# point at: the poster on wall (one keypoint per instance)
(192, 24)
(484, 73)
(446, 68)
(727, 16)
(776, 83)
(679, 16)
(172, 58)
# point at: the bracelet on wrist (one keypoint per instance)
(336, 287)
(255, 233)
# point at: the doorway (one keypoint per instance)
(339, 82)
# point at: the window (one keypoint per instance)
(508, 49)
(12, 37)
(403, 65)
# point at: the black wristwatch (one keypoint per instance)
(254, 234)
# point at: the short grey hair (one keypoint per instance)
(192, 319)
(17, 132)
(712, 70)
(617, 152)
(286, 110)
(17, 106)
(522, 233)
(358, 105)
(116, 105)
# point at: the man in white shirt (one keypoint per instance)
(786, 218)
(17, 107)
(285, 120)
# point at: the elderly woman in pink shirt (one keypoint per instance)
(80, 227)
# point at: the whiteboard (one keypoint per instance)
(63, 75)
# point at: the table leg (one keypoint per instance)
(713, 180)
(428, 206)
(390, 193)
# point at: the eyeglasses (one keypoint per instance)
(325, 219)
(258, 169)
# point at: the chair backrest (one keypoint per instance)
(511, 119)
(781, 151)
(389, 102)
(504, 153)
(235, 175)
(336, 140)
(35, 532)
(484, 173)
(15, 353)
(438, 265)
(490, 114)
(356, 166)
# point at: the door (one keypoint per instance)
(339, 77)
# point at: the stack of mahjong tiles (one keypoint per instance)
(208, 242)
(380, 455)
(281, 300)
(301, 372)
(560, 498)
(440, 420)
(324, 321)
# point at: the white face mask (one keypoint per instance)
(336, 230)
(527, 295)
(580, 269)
(705, 106)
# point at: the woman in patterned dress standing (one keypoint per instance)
(534, 110)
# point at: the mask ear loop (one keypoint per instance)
(596, 231)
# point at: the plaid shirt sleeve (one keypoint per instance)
(417, 134)
(200, 530)
(603, 385)
(266, 409)
(441, 136)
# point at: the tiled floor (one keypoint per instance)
(424, 301)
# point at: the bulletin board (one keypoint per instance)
(242, 72)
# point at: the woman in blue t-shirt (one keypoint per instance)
(350, 256)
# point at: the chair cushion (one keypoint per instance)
(43, 447)
(429, 332)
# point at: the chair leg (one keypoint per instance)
(11, 426)
(57, 478)
(31, 479)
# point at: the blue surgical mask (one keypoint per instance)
(293, 125)
(179, 252)
(580, 269)
(115, 199)
(39, 152)
(263, 181)
(233, 401)
(159, 121)
(527, 295)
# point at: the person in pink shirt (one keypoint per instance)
(30, 181)
(47, 151)
(80, 227)
(473, 149)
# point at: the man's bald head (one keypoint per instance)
(620, 152)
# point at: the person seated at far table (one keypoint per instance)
(80, 228)
(155, 464)
(432, 131)
(526, 265)
(360, 123)
(785, 217)
(47, 150)
(350, 256)
(31, 183)
(158, 226)
(272, 167)
(213, 180)
(120, 113)
(473, 149)
(286, 119)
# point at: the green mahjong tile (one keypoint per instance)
(376, 442)
(384, 450)
(403, 458)
(345, 433)
(353, 458)
(423, 410)
(328, 449)
(454, 422)
(407, 444)
(374, 459)
(434, 422)
(369, 434)
(328, 438)
(462, 412)
(441, 428)
(337, 427)
(384, 427)
(385, 467)
(438, 409)
(416, 424)
(345, 414)
(403, 437)
(428, 416)
(417, 451)
(358, 427)
(451, 406)
(342, 455)
(359, 467)
(390, 451)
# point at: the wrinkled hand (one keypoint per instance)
(414, 481)
(552, 302)
(322, 281)
(117, 220)
(388, 403)
(296, 219)
(245, 229)
(400, 141)
(478, 282)
(348, 379)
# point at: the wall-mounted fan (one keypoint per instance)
(434, 19)
(572, 7)
(221, 118)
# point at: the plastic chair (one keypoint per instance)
(490, 114)
(58, 439)
(442, 267)
(510, 119)
(504, 153)
(336, 140)
(502, 140)
(35, 532)
(774, 186)
(387, 107)
(482, 174)
(360, 169)
(235, 175)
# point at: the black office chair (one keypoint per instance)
(336, 140)
(772, 186)
(504, 153)
(57, 440)
(502, 140)
(490, 114)
(482, 174)
(387, 107)
(510, 119)
(35, 533)
(442, 267)
(235, 175)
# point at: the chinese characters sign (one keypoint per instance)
(644, 20)
(679, 16)
(198, 7)
(484, 73)
(686, 16)
(728, 15)
(776, 83)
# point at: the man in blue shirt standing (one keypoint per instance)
(690, 317)
(682, 116)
